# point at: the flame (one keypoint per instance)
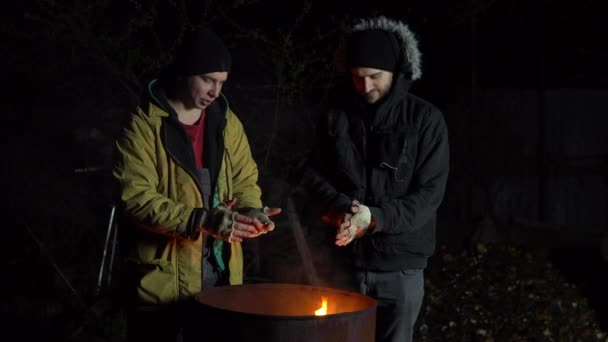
(322, 311)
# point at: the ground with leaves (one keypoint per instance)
(503, 293)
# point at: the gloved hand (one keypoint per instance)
(355, 224)
(221, 223)
(261, 217)
(231, 226)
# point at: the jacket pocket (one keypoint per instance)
(399, 171)
(157, 284)
(420, 242)
(394, 156)
(410, 272)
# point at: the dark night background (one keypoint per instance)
(523, 235)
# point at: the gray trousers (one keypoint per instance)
(399, 295)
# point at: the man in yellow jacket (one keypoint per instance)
(188, 188)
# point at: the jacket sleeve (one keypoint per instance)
(315, 176)
(419, 205)
(135, 171)
(244, 168)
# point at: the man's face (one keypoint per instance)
(204, 89)
(372, 84)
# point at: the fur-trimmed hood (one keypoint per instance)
(411, 55)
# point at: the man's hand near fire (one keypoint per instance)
(261, 217)
(355, 224)
(234, 226)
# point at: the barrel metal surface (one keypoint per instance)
(280, 312)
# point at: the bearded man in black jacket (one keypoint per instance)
(379, 173)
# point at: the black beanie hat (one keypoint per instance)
(376, 49)
(201, 52)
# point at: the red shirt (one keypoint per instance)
(195, 132)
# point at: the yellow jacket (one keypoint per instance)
(160, 193)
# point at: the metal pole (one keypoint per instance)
(105, 250)
(113, 252)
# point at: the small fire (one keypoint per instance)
(322, 311)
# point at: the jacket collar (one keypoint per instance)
(178, 143)
(159, 106)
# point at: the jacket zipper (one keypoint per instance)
(179, 294)
(228, 162)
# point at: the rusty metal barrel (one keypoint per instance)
(280, 312)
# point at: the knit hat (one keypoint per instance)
(396, 50)
(376, 49)
(201, 52)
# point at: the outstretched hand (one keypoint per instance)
(247, 226)
(262, 221)
(354, 225)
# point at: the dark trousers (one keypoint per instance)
(399, 295)
(162, 323)
(165, 322)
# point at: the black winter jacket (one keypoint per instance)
(392, 157)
